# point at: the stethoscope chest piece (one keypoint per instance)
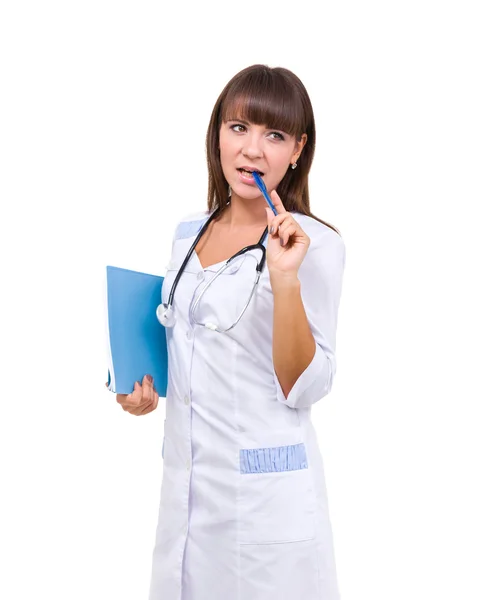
(166, 315)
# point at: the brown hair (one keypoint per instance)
(277, 98)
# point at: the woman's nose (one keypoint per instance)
(252, 146)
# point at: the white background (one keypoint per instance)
(104, 109)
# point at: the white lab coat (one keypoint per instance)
(225, 533)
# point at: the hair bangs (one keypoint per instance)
(265, 100)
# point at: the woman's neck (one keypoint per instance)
(243, 214)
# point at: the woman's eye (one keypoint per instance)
(233, 127)
(277, 135)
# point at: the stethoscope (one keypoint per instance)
(165, 312)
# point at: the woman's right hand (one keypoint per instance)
(142, 400)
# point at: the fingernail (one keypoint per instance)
(281, 241)
(149, 377)
(271, 230)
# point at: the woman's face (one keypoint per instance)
(245, 147)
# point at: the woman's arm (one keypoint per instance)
(305, 272)
(305, 321)
(293, 342)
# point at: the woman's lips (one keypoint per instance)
(246, 177)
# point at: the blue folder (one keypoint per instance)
(137, 341)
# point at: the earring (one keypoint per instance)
(229, 193)
(294, 165)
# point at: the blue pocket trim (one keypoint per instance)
(187, 229)
(273, 460)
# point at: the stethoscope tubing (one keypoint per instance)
(260, 265)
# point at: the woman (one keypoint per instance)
(243, 512)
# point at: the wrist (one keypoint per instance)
(283, 281)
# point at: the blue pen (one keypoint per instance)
(261, 186)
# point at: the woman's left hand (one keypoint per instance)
(285, 257)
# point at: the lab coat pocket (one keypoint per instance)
(276, 500)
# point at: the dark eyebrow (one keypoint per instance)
(239, 121)
(246, 123)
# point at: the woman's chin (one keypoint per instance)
(247, 192)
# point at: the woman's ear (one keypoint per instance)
(299, 145)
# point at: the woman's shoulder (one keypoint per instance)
(319, 233)
(326, 249)
(190, 224)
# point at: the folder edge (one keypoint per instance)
(111, 373)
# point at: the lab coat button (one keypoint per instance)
(186, 399)
(189, 334)
(200, 276)
(188, 465)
